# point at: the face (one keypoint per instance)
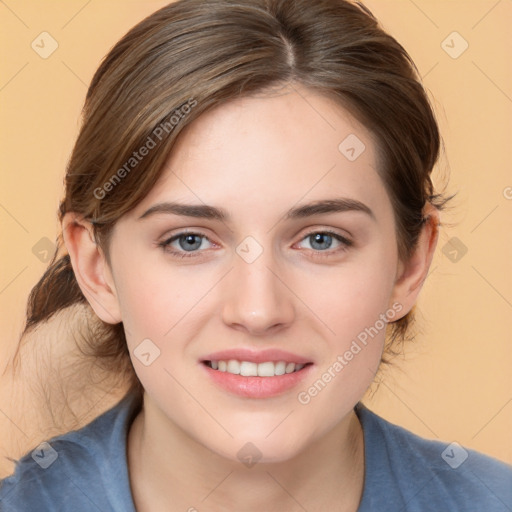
(268, 275)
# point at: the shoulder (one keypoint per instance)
(431, 473)
(74, 467)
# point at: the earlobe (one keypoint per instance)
(91, 268)
(412, 274)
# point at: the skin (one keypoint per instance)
(257, 158)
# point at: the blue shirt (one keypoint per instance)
(86, 470)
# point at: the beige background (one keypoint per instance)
(455, 382)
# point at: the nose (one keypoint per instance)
(257, 300)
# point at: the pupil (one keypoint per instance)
(320, 238)
(190, 244)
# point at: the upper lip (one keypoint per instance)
(256, 356)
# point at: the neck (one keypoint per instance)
(167, 467)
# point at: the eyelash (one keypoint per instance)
(319, 254)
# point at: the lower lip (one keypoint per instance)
(257, 387)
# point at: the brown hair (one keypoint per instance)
(194, 55)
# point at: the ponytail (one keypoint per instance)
(103, 343)
(56, 290)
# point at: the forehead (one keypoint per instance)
(262, 152)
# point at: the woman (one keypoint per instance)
(250, 215)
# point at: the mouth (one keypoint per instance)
(249, 379)
(252, 369)
(256, 374)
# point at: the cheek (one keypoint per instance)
(352, 296)
(152, 298)
(351, 303)
(154, 302)
(353, 356)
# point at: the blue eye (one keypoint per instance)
(187, 242)
(190, 243)
(321, 241)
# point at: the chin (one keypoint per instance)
(252, 449)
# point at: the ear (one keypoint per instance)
(91, 268)
(411, 274)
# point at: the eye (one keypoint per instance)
(321, 241)
(186, 244)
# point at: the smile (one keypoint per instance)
(251, 369)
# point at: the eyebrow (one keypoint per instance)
(202, 211)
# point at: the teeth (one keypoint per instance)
(280, 368)
(290, 367)
(233, 367)
(247, 369)
(250, 369)
(268, 369)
